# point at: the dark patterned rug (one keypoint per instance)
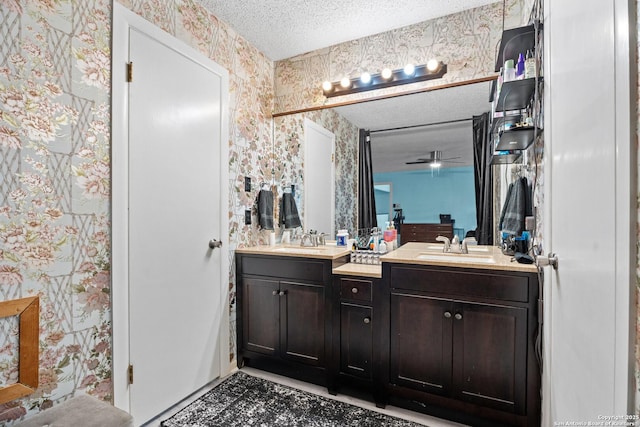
(244, 400)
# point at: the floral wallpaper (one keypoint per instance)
(465, 41)
(289, 148)
(55, 174)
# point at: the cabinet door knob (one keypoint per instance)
(275, 292)
(447, 314)
(458, 316)
(367, 320)
(282, 293)
(354, 290)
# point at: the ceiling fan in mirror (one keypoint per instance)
(434, 160)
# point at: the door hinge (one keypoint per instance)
(129, 72)
(130, 374)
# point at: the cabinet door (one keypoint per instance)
(490, 355)
(302, 322)
(356, 339)
(260, 311)
(421, 342)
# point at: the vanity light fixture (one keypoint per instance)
(387, 78)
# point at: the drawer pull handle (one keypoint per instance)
(458, 316)
(447, 314)
(367, 320)
(282, 293)
(354, 290)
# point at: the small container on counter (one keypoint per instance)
(342, 237)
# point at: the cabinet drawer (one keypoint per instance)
(494, 284)
(355, 289)
(286, 268)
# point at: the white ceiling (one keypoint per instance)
(285, 28)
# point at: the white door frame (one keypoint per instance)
(309, 124)
(124, 19)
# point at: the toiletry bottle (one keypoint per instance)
(520, 67)
(529, 66)
(509, 71)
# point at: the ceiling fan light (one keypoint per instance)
(435, 164)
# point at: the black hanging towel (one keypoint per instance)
(265, 209)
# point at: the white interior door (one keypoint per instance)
(319, 180)
(178, 321)
(589, 212)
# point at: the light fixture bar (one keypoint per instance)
(398, 77)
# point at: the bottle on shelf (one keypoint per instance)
(509, 71)
(520, 67)
(529, 66)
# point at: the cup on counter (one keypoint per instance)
(272, 238)
(286, 236)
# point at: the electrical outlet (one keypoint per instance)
(247, 217)
(247, 183)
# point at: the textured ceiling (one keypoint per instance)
(285, 28)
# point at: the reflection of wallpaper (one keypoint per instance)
(465, 41)
(55, 173)
(289, 159)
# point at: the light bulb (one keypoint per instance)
(365, 78)
(327, 86)
(432, 65)
(345, 82)
(386, 73)
(409, 69)
(435, 164)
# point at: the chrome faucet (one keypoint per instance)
(309, 239)
(447, 243)
(321, 239)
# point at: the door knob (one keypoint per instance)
(367, 320)
(458, 316)
(354, 290)
(282, 293)
(275, 293)
(213, 243)
(447, 314)
(551, 259)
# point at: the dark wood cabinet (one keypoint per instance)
(356, 339)
(284, 314)
(462, 342)
(424, 232)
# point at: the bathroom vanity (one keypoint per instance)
(452, 335)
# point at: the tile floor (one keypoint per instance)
(321, 391)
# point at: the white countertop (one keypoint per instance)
(329, 251)
(482, 257)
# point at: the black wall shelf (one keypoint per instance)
(519, 138)
(514, 42)
(505, 159)
(516, 94)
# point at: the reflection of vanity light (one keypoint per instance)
(435, 164)
(386, 78)
(409, 69)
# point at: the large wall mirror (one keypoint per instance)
(405, 132)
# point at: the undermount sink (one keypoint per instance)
(471, 257)
(472, 249)
(301, 250)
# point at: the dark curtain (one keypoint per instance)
(482, 152)
(366, 198)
